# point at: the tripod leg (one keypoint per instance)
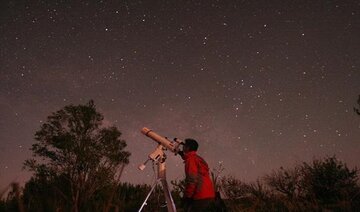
(147, 197)
(162, 176)
(169, 200)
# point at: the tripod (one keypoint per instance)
(159, 157)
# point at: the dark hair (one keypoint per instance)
(192, 144)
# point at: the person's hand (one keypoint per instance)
(182, 154)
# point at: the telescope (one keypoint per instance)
(163, 144)
(172, 146)
(158, 156)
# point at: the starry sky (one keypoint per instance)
(260, 84)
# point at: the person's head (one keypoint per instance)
(190, 145)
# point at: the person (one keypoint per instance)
(199, 194)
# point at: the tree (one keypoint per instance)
(77, 153)
(287, 189)
(330, 183)
(13, 201)
(325, 184)
(41, 194)
(357, 110)
(286, 182)
(178, 190)
(236, 193)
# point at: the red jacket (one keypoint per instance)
(198, 184)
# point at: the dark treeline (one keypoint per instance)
(77, 164)
(324, 184)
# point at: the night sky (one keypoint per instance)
(259, 84)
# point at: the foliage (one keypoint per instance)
(78, 162)
(329, 182)
(357, 110)
(129, 197)
(325, 184)
(75, 155)
(13, 201)
(216, 175)
(178, 188)
(285, 182)
(321, 185)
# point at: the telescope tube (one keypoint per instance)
(159, 139)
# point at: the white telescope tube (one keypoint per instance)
(160, 139)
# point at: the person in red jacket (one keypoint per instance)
(199, 191)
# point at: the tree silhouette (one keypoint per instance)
(357, 110)
(329, 182)
(77, 153)
(286, 182)
(323, 184)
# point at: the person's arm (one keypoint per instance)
(191, 179)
